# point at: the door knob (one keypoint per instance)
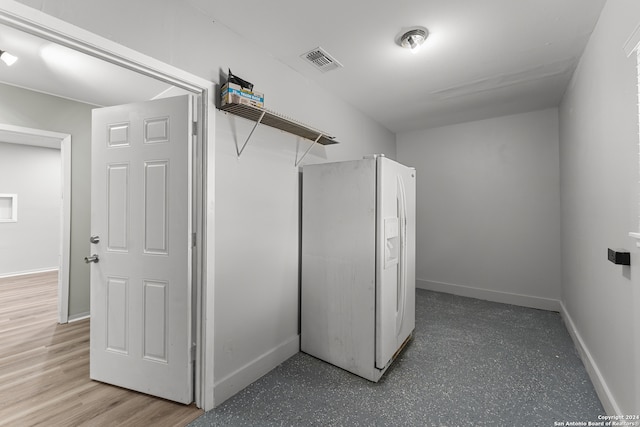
(92, 258)
(94, 239)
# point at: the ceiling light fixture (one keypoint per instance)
(8, 58)
(413, 39)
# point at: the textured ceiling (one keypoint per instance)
(482, 58)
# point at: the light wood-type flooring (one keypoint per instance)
(44, 368)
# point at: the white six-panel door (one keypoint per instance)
(141, 289)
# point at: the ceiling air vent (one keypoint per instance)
(320, 59)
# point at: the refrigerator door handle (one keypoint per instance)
(402, 263)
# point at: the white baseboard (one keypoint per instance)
(79, 316)
(490, 295)
(24, 273)
(252, 371)
(604, 393)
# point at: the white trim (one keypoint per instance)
(50, 28)
(79, 316)
(27, 272)
(61, 141)
(32, 21)
(636, 236)
(491, 295)
(252, 371)
(632, 43)
(604, 393)
(35, 137)
(64, 276)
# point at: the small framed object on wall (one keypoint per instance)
(8, 207)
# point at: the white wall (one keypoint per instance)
(21, 107)
(488, 208)
(33, 243)
(256, 196)
(257, 224)
(599, 164)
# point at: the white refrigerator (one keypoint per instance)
(358, 263)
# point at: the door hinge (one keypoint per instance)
(194, 128)
(193, 240)
(193, 353)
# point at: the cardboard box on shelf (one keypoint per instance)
(232, 93)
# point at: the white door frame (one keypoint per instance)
(61, 141)
(632, 48)
(50, 28)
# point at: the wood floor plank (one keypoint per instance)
(44, 368)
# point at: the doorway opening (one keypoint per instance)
(60, 141)
(32, 22)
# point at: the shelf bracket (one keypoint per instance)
(250, 134)
(308, 149)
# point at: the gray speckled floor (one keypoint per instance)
(471, 363)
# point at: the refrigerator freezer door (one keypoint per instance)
(395, 276)
(338, 265)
